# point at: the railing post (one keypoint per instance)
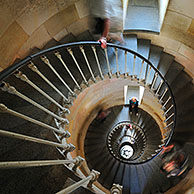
(35, 69)
(46, 61)
(36, 140)
(26, 164)
(161, 82)
(92, 177)
(58, 55)
(154, 81)
(10, 89)
(116, 189)
(77, 163)
(163, 107)
(163, 95)
(117, 63)
(87, 62)
(142, 63)
(75, 61)
(134, 59)
(108, 64)
(24, 78)
(125, 74)
(99, 68)
(4, 109)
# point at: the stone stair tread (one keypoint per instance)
(68, 38)
(85, 36)
(174, 69)
(125, 179)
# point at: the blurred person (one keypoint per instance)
(102, 115)
(108, 20)
(174, 160)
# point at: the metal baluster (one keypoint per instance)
(125, 74)
(155, 77)
(142, 63)
(78, 162)
(58, 55)
(117, 63)
(4, 109)
(35, 69)
(107, 61)
(161, 82)
(46, 61)
(169, 117)
(74, 59)
(26, 164)
(163, 95)
(36, 140)
(10, 89)
(134, 59)
(95, 54)
(166, 102)
(168, 109)
(116, 189)
(148, 75)
(169, 125)
(92, 177)
(86, 59)
(24, 78)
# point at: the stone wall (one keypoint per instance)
(25, 24)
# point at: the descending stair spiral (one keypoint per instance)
(104, 144)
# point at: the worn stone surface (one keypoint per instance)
(163, 41)
(10, 10)
(177, 20)
(187, 52)
(191, 28)
(82, 8)
(78, 27)
(184, 7)
(37, 14)
(60, 34)
(62, 4)
(38, 39)
(61, 20)
(177, 34)
(10, 43)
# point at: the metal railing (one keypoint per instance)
(89, 61)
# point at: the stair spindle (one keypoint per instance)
(35, 69)
(58, 55)
(74, 59)
(108, 64)
(47, 62)
(86, 59)
(96, 57)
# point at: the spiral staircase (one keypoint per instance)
(56, 94)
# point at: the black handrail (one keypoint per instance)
(5, 73)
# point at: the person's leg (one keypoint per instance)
(130, 108)
(136, 110)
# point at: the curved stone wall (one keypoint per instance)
(25, 25)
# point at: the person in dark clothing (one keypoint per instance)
(133, 105)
